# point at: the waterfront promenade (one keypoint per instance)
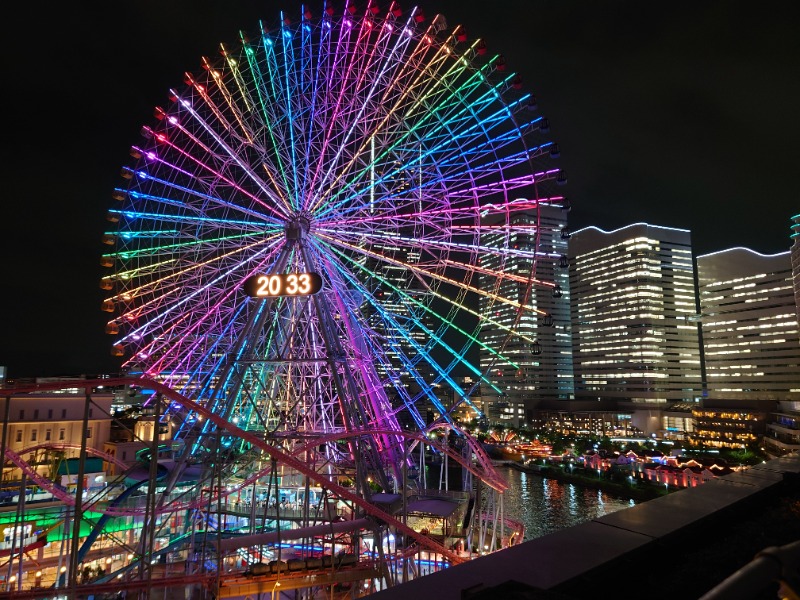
(678, 546)
(640, 491)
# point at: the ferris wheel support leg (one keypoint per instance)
(78, 516)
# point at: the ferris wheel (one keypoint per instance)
(318, 233)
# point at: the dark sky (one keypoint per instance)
(681, 114)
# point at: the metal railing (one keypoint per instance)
(774, 564)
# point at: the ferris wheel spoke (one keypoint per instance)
(368, 103)
(200, 189)
(448, 210)
(464, 184)
(451, 134)
(380, 151)
(407, 75)
(430, 110)
(241, 86)
(308, 86)
(173, 269)
(230, 133)
(428, 88)
(227, 96)
(174, 303)
(152, 275)
(221, 119)
(279, 190)
(430, 156)
(315, 127)
(368, 72)
(398, 329)
(229, 153)
(289, 89)
(425, 274)
(249, 111)
(167, 249)
(405, 331)
(210, 222)
(448, 104)
(446, 243)
(494, 146)
(336, 77)
(179, 337)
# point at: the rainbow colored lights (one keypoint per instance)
(384, 152)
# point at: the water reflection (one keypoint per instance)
(547, 505)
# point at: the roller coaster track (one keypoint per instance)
(275, 453)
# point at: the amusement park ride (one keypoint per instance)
(317, 236)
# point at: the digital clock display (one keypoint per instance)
(284, 284)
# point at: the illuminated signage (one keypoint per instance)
(284, 284)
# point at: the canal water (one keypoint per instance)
(548, 505)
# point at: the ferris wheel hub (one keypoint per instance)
(297, 227)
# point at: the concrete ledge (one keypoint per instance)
(555, 560)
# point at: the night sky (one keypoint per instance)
(681, 114)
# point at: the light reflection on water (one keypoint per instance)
(547, 505)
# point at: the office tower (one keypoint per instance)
(752, 349)
(783, 431)
(796, 261)
(633, 310)
(405, 362)
(750, 326)
(542, 368)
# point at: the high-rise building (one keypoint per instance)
(752, 349)
(783, 430)
(795, 236)
(633, 309)
(750, 327)
(400, 292)
(540, 347)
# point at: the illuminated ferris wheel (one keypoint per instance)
(319, 231)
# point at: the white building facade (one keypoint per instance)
(750, 325)
(540, 349)
(635, 336)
